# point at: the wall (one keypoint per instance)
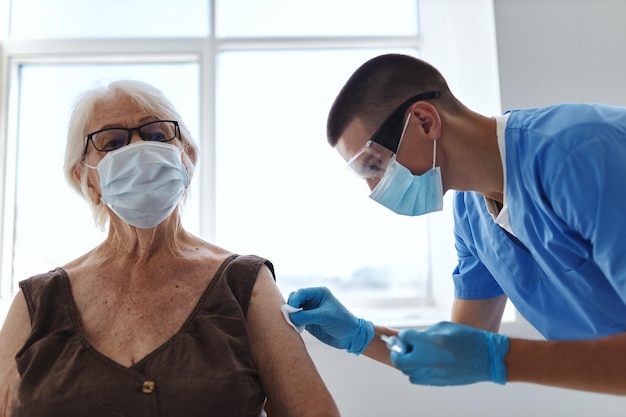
(554, 51)
(549, 51)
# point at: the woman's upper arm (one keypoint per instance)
(13, 335)
(290, 379)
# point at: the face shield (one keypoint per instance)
(374, 158)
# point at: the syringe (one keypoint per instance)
(394, 344)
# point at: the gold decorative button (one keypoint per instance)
(148, 387)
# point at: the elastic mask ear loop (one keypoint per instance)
(406, 124)
(434, 153)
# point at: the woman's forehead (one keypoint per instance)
(119, 111)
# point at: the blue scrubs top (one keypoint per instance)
(565, 268)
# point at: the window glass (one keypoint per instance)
(249, 18)
(284, 193)
(53, 224)
(58, 19)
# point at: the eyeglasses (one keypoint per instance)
(112, 138)
(372, 160)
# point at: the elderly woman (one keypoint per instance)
(154, 321)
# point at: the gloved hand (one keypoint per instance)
(452, 354)
(329, 321)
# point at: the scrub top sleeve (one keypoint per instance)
(587, 192)
(472, 280)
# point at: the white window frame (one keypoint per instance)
(447, 45)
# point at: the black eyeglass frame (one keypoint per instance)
(390, 132)
(89, 137)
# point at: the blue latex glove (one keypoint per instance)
(329, 321)
(452, 354)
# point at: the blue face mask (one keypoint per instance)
(143, 182)
(407, 194)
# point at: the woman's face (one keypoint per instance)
(119, 112)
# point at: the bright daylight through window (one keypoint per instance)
(255, 89)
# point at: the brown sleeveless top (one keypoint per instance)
(205, 369)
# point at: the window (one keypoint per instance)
(117, 19)
(284, 193)
(254, 81)
(50, 219)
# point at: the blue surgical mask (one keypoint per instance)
(143, 182)
(407, 194)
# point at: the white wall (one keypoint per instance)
(561, 50)
(549, 51)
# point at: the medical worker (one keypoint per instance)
(539, 219)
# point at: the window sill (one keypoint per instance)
(403, 316)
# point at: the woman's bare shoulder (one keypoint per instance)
(16, 326)
(291, 380)
(13, 335)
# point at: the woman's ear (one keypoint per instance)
(93, 192)
(76, 174)
(189, 159)
(429, 119)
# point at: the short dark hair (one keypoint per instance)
(378, 86)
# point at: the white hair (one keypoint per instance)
(149, 99)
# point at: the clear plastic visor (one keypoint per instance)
(371, 161)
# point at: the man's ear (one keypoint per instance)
(429, 119)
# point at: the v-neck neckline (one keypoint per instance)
(134, 368)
